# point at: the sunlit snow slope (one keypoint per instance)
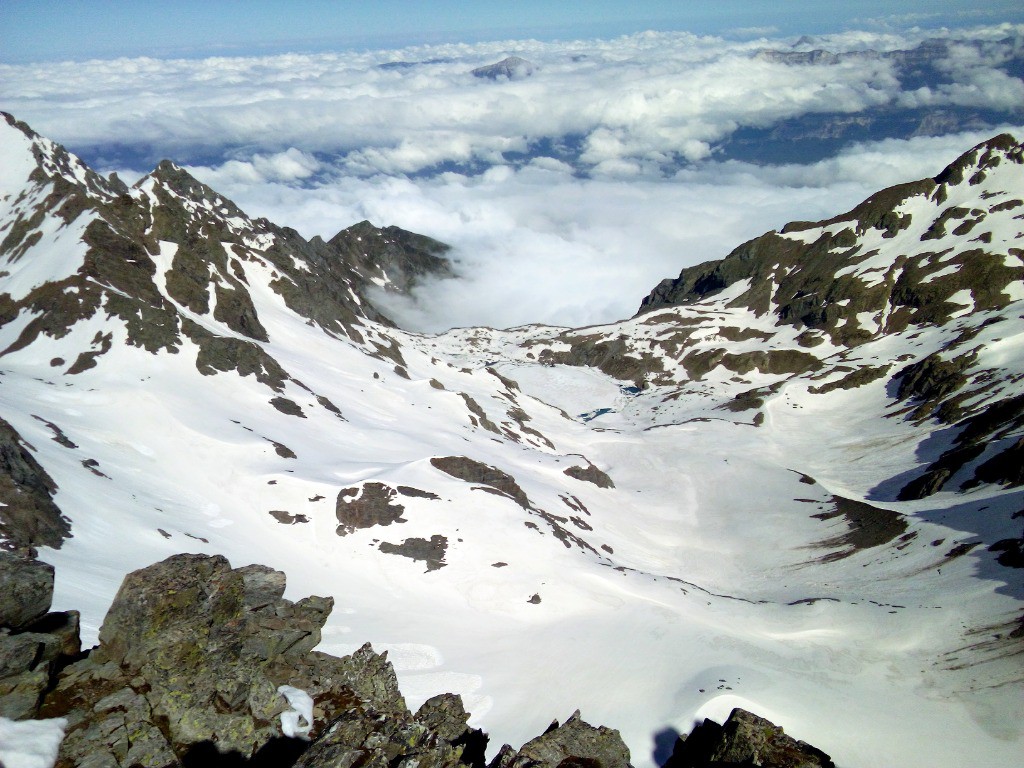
(792, 483)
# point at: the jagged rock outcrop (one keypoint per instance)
(492, 478)
(446, 716)
(590, 474)
(573, 743)
(744, 739)
(436, 737)
(191, 656)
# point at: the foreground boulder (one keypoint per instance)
(191, 656)
(744, 739)
(34, 643)
(26, 590)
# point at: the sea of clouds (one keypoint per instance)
(566, 195)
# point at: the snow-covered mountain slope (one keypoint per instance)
(702, 507)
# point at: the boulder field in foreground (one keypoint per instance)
(194, 662)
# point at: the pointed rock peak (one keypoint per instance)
(175, 178)
(363, 228)
(179, 180)
(166, 166)
(392, 258)
(18, 125)
(981, 158)
(49, 161)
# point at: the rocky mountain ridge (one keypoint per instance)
(725, 494)
(206, 242)
(836, 282)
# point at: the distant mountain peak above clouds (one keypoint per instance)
(511, 68)
(926, 54)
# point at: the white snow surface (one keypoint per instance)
(297, 721)
(30, 743)
(703, 583)
(692, 609)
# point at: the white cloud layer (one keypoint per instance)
(635, 103)
(617, 182)
(538, 244)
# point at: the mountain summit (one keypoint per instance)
(791, 483)
(510, 68)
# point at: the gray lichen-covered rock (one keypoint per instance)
(445, 715)
(744, 739)
(20, 694)
(191, 656)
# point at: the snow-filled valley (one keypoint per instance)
(652, 521)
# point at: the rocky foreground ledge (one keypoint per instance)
(201, 664)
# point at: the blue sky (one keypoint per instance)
(48, 30)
